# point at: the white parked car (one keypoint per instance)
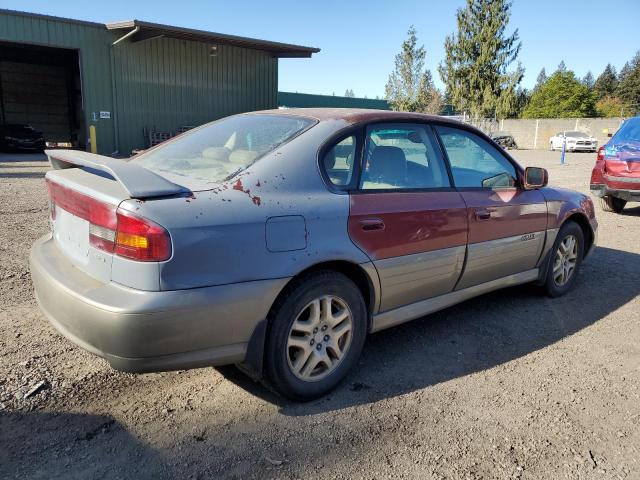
(576, 141)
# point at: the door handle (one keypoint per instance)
(482, 214)
(371, 224)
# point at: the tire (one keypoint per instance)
(612, 204)
(554, 284)
(289, 361)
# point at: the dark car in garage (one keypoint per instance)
(15, 137)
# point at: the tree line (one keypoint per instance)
(482, 76)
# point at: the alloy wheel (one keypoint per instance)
(319, 338)
(565, 260)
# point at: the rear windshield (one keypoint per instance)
(219, 150)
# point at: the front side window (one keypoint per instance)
(402, 156)
(338, 162)
(219, 150)
(474, 161)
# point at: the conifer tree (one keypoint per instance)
(478, 56)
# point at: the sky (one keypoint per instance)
(359, 39)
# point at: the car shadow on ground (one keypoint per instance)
(631, 211)
(473, 336)
(69, 445)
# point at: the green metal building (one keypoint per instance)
(304, 100)
(133, 81)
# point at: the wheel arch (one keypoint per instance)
(583, 223)
(364, 278)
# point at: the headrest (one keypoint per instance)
(242, 157)
(388, 165)
(329, 159)
(216, 153)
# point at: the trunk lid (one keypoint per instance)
(85, 191)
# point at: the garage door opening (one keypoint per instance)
(40, 90)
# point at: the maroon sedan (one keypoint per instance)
(278, 240)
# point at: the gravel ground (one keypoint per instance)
(508, 385)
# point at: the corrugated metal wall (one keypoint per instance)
(164, 84)
(160, 83)
(92, 40)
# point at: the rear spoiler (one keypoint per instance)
(138, 181)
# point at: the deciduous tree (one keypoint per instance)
(562, 95)
(612, 107)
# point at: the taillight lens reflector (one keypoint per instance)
(113, 229)
(600, 154)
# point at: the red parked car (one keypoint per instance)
(616, 176)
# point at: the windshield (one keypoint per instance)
(219, 150)
(577, 134)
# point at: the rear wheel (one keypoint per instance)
(317, 331)
(565, 259)
(612, 204)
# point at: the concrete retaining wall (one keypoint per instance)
(535, 134)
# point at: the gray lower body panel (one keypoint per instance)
(410, 278)
(147, 331)
(494, 259)
(425, 307)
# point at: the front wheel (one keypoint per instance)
(316, 334)
(612, 204)
(565, 259)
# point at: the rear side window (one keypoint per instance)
(338, 162)
(402, 157)
(474, 161)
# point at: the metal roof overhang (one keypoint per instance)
(139, 31)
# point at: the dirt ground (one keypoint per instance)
(508, 385)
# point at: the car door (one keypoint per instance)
(405, 215)
(507, 224)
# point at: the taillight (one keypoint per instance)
(600, 153)
(113, 229)
(141, 239)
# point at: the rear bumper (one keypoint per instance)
(140, 331)
(629, 194)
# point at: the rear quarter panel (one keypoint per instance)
(219, 236)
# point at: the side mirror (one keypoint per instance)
(535, 177)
